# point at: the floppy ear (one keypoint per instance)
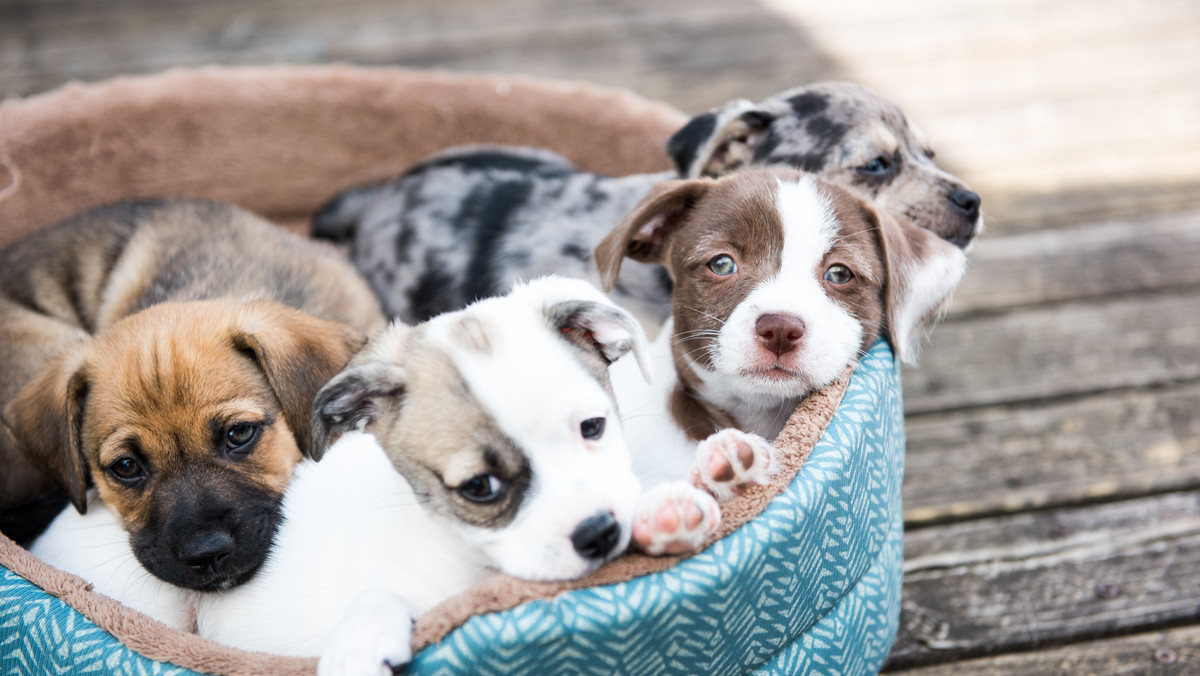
(922, 272)
(46, 419)
(603, 328)
(719, 141)
(371, 383)
(644, 230)
(298, 353)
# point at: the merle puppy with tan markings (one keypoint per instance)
(167, 354)
(469, 221)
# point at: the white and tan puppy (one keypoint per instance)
(499, 450)
(781, 280)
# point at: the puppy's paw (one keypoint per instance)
(373, 638)
(731, 459)
(674, 518)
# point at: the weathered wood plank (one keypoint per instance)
(1043, 578)
(1047, 352)
(648, 47)
(1008, 459)
(1175, 652)
(1090, 261)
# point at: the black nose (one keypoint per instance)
(596, 536)
(205, 552)
(967, 201)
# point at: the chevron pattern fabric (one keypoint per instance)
(811, 585)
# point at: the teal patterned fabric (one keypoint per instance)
(811, 585)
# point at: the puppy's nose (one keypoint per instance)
(779, 333)
(967, 201)
(596, 536)
(205, 552)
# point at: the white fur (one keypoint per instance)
(354, 530)
(357, 557)
(832, 334)
(540, 408)
(661, 451)
(352, 524)
(928, 286)
(95, 547)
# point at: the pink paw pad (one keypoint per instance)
(730, 460)
(674, 518)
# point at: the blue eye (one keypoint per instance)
(723, 265)
(838, 274)
(879, 165)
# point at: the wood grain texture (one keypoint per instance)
(1060, 350)
(1175, 652)
(1097, 260)
(1008, 459)
(977, 588)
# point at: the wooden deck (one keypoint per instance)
(1053, 482)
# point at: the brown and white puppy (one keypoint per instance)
(167, 354)
(781, 281)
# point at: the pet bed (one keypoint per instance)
(804, 574)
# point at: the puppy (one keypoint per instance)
(517, 213)
(501, 452)
(781, 280)
(168, 354)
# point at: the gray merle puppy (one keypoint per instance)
(469, 221)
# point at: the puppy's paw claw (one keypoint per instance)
(374, 637)
(730, 460)
(674, 518)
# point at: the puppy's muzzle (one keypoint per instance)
(779, 333)
(597, 536)
(208, 537)
(965, 204)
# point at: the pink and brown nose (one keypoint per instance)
(779, 333)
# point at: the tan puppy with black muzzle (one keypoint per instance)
(167, 353)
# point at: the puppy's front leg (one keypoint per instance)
(731, 459)
(373, 638)
(674, 518)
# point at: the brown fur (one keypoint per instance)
(145, 338)
(684, 224)
(79, 277)
(162, 388)
(403, 385)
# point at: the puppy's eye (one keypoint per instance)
(838, 274)
(930, 153)
(241, 436)
(723, 265)
(482, 488)
(592, 428)
(127, 470)
(879, 165)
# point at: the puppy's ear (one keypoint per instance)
(46, 420)
(719, 141)
(922, 272)
(601, 327)
(645, 229)
(298, 353)
(371, 383)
